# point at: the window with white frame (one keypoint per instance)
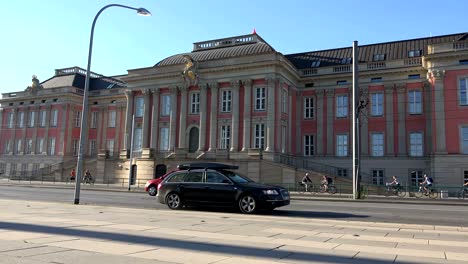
(378, 177)
(377, 104)
(342, 145)
(259, 139)
(226, 100)
(308, 145)
(283, 139)
(8, 146)
(341, 106)
(54, 118)
(416, 144)
(463, 91)
(164, 139)
(21, 119)
(260, 95)
(308, 107)
(195, 103)
(92, 151)
(11, 119)
(464, 139)
(77, 119)
(137, 139)
(139, 106)
(165, 104)
(42, 118)
(52, 146)
(29, 146)
(40, 146)
(415, 102)
(94, 119)
(377, 141)
(416, 176)
(225, 137)
(284, 101)
(76, 146)
(110, 147)
(19, 146)
(112, 118)
(31, 118)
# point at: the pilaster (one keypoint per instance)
(439, 111)
(128, 119)
(389, 137)
(270, 126)
(146, 117)
(235, 116)
(330, 94)
(318, 115)
(173, 118)
(155, 121)
(247, 114)
(183, 117)
(401, 97)
(203, 117)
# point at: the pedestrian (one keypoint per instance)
(88, 178)
(72, 175)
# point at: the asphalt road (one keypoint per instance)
(430, 214)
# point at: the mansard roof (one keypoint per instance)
(390, 50)
(75, 77)
(238, 46)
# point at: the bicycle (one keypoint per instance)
(305, 187)
(463, 193)
(394, 190)
(432, 193)
(331, 189)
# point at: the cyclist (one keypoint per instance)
(427, 183)
(306, 181)
(394, 183)
(325, 181)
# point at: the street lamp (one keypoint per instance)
(84, 119)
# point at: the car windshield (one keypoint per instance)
(236, 177)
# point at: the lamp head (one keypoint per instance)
(143, 12)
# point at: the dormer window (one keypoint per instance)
(414, 53)
(315, 64)
(346, 61)
(379, 57)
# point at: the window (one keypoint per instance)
(165, 105)
(19, 146)
(283, 139)
(346, 60)
(195, 103)
(226, 98)
(35, 169)
(308, 145)
(379, 57)
(284, 101)
(260, 136)
(52, 146)
(24, 169)
(2, 168)
(29, 146)
(194, 176)
(139, 105)
(10, 119)
(377, 104)
(110, 147)
(177, 177)
(214, 177)
(21, 119)
(463, 62)
(378, 177)
(76, 146)
(416, 144)
(260, 98)
(377, 140)
(8, 146)
(342, 82)
(42, 118)
(463, 91)
(112, 118)
(342, 106)
(40, 146)
(13, 169)
(342, 145)
(31, 117)
(164, 139)
(54, 118)
(465, 176)
(464, 140)
(137, 139)
(225, 137)
(94, 119)
(315, 64)
(414, 53)
(308, 107)
(415, 103)
(92, 148)
(342, 172)
(377, 79)
(77, 119)
(416, 177)
(414, 76)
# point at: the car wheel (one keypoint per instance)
(247, 204)
(174, 201)
(152, 190)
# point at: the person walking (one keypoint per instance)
(72, 175)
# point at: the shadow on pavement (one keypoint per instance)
(201, 247)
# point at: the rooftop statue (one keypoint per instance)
(190, 73)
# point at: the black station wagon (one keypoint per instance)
(214, 184)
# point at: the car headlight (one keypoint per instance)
(270, 192)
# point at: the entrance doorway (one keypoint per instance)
(193, 139)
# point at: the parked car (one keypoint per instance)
(151, 186)
(215, 184)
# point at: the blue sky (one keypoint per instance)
(41, 36)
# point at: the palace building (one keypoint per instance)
(238, 100)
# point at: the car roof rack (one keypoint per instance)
(206, 165)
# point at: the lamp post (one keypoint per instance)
(84, 119)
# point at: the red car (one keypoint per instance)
(151, 186)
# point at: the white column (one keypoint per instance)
(270, 116)
(128, 119)
(330, 94)
(183, 116)
(213, 116)
(173, 119)
(146, 119)
(401, 98)
(203, 115)
(389, 137)
(247, 114)
(155, 124)
(439, 111)
(235, 116)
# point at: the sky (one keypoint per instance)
(38, 37)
